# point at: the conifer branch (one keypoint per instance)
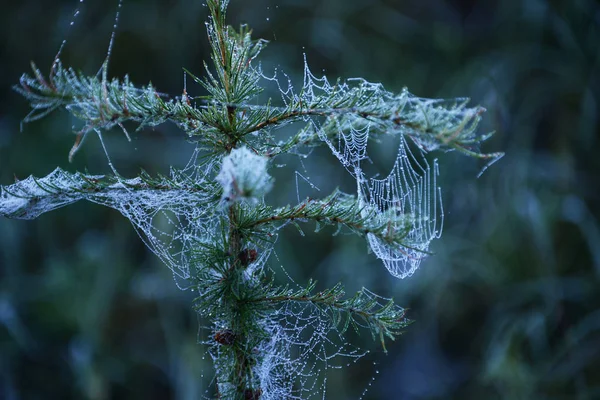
(338, 209)
(361, 310)
(430, 123)
(31, 197)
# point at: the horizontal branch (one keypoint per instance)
(382, 319)
(331, 111)
(343, 210)
(31, 197)
(101, 103)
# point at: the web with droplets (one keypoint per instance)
(169, 213)
(408, 197)
(175, 214)
(303, 344)
(301, 349)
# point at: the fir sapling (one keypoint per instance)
(265, 338)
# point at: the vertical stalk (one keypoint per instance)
(219, 26)
(241, 373)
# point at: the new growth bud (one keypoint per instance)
(244, 176)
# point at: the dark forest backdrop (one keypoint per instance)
(509, 306)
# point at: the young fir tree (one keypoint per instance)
(210, 224)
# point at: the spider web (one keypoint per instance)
(301, 350)
(408, 197)
(169, 213)
(175, 214)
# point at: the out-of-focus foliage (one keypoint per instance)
(507, 307)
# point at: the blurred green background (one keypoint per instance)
(509, 306)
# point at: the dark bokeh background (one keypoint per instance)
(508, 308)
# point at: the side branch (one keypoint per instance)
(102, 104)
(31, 197)
(362, 310)
(391, 226)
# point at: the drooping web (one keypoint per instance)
(169, 213)
(412, 195)
(302, 348)
(349, 115)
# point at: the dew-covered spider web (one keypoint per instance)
(301, 351)
(186, 210)
(174, 215)
(349, 115)
(169, 213)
